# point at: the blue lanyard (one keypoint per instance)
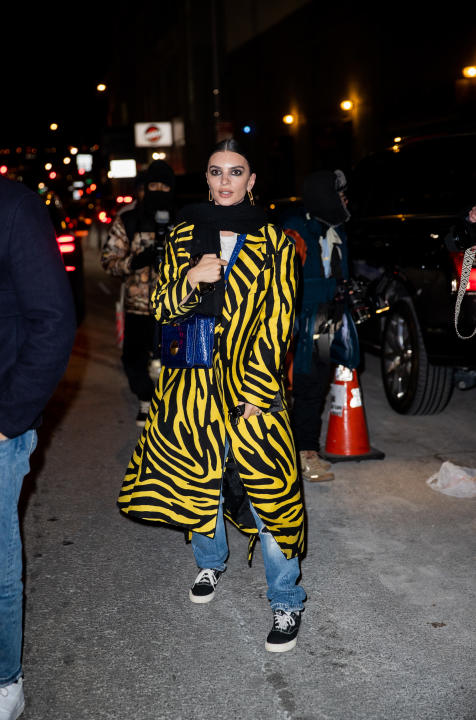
(240, 241)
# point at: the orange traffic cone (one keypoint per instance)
(347, 435)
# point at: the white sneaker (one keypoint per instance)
(12, 701)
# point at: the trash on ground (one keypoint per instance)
(454, 480)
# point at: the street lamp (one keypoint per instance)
(469, 71)
(53, 126)
(101, 87)
(288, 119)
(346, 105)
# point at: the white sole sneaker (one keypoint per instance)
(201, 599)
(206, 580)
(282, 647)
(12, 701)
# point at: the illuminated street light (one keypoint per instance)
(159, 156)
(469, 71)
(67, 160)
(101, 87)
(53, 126)
(73, 150)
(346, 105)
(48, 166)
(288, 119)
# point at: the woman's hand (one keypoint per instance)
(208, 270)
(250, 410)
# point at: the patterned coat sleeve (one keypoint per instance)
(116, 254)
(172, 286)
(262, 379)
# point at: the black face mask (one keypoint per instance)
(157, 200)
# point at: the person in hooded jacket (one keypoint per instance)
(133, 250)
(321, 246)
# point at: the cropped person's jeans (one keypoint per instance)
(281, 574)
(14, 465)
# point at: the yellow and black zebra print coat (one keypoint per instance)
(175, 473)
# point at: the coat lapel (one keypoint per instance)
(244, 273)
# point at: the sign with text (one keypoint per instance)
(153, 134)
(122, 168)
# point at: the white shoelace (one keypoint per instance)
(283, 621)
(208, 575)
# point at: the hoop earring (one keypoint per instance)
(210, 197)
(250, 195)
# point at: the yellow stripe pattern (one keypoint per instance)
(174, 475)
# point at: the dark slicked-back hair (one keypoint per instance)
(231, 145)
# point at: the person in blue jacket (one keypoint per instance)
(321, 247)
(37, 329)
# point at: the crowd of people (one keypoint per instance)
(271, 295)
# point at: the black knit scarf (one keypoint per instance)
(209, 220)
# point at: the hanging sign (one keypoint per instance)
(153, 134)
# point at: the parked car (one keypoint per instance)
(407, 202)
(69, 243)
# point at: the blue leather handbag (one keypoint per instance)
(189, 343)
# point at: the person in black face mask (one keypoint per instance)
(133, 250)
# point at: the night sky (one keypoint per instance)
(52, 57)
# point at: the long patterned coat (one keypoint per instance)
(175, 473)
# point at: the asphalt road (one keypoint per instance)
(388, 630)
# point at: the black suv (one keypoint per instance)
(407, 203)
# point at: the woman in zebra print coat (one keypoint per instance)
(177, 472)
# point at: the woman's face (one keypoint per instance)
(229, 178)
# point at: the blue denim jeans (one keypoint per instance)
(281, 574)
(14, 465)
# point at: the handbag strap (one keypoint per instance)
(468, 260)
(240, 241)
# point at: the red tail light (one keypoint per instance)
(66, 243)
(65, 239)
(457, 258)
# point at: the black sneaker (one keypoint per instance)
(203, 588)
(283, 635)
